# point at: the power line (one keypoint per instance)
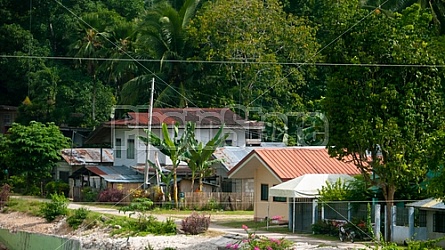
(229, 62)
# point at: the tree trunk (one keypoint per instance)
(388, 193)
(201, 176)
(175, 187)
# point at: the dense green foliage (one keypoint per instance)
(385, 120)
(77, 218)
(56, 207)
(32, 151)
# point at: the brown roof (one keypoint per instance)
(86, 156)
(292, 162)
(203, 117)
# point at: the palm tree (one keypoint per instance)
(199, 156)
(173, 147)
(89, 46)
(162, 37)
(122, 38)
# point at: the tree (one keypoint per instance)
(250, 47)
(199, 156)
(173, 147)
(162, 37)
(382, 117)
(32, 151)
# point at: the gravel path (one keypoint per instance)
(216, 238)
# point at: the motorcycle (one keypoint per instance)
(346, 234)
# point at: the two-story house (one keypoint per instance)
(123, 134)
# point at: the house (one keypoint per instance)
(76, 158)
(431, 224)
(123, 134)
(8, 114)
(102, 177)
(271, 166)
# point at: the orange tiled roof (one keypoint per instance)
(292, 162)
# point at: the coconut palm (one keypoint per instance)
(162, 38)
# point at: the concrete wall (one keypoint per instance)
(261, 208)
(401, 233)
(30, 241)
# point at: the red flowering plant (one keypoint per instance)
(260, 242)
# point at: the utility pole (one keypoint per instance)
(148, 146)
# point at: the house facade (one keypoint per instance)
(123, 134)
(269, 167)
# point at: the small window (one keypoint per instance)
(118, 148)
(264, 192)
(439, 222)
(130, 149)
(229, 142)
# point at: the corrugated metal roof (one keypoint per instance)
(428, 204)
(86, 156)
(203, 117)
(230, 156)
(121, 174)
(291, 162)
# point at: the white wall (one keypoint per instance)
(204, 135)
(401, 233)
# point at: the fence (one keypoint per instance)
(217, 200)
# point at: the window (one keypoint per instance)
(130, 148)
(118, 148)
(439, 222)
(279, 199)
(229, 142)
(264, 192)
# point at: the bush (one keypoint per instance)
(78, 217)
(324, 227)
(57, 187)
(195, 224)
(89, 195)
(111, 195)
(57, 206)
(254, 241)
(138, 205)
(20, 185)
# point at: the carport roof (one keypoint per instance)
(428, 204)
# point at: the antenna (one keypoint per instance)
(148, 147)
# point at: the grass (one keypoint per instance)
(24, 206)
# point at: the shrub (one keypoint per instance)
(138, 205)
(324, 227)
(89, 195)
(195, 224)
(57, 187)
(57, 206)
(78, 217)
(254, 242)
(111, 195)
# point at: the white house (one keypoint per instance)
(129, 150)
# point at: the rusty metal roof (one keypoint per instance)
(291, 162)
(87, 156)
(117, 174)
(203, 117)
